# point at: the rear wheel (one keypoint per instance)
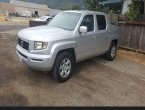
(111, 54)
(63, 67)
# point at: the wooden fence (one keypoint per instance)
(115, 18)
(132, 36)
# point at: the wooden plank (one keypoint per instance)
(133, 50)
(127, 48)
(135, 23)
(142, 40)
(126, 36)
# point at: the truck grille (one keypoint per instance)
(23, 44)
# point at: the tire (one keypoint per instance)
(111, 54)
(63, 67)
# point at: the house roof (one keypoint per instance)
(27, 4)
(109, 2)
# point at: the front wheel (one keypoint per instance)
(111, 54)
(63, 67)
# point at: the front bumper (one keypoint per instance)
(38, 62)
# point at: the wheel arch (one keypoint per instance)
(63, 47)
(115, 41)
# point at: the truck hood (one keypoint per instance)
(45, 33)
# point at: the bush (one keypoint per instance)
(134, 10)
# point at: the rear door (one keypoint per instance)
(102, 35)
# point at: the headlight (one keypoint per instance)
(40, 45)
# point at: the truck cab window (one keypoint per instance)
(88, 21)
(101, 21)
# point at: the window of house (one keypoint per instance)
(101, 21)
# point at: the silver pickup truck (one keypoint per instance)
(71, 37)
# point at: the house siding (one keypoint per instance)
(6, 8)
(21, 6)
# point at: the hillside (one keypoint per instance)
(59, 4)
(4, 0)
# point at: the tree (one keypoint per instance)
(92, 5)
(69, 6)
(134, 9)
(142, 7)
(75, 7)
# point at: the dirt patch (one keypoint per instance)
(134, 56)
(7, 75)
(7, 36)
(2, 18)
(14, 21)
(14, 99)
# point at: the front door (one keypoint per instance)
(86, 45)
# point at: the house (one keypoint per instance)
(121, 5)
(111, 3)
(21, 6)
(6, 8)
(125, 6)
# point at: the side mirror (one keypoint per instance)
(83, 29)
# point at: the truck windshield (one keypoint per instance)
(65, 20)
